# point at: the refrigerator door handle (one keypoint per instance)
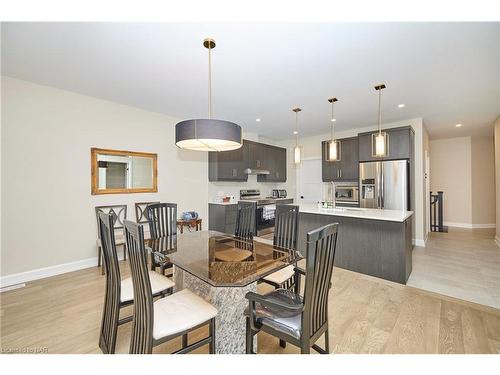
(382, 189)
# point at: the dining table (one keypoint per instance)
(222, 269)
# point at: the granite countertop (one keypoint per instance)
(361, 213)
(224, 203)
(246, 200)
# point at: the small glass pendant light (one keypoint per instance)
(380, 140)
(297, 150)
(334, 148)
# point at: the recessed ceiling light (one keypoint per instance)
(458, 125)
(295, 132)
(257, 119)
(401, 105)
(333, 120)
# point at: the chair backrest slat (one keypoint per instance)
(118, 211)
(162, 219)
(286, 226)
(140, 211)
(111, 309)
(142, 327)
(321, 245)
(245, 220)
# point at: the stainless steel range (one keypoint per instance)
(265, 213)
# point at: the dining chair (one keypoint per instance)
(140, 215)
(156, 322)
(286, 235)
(119, 212)
(120, 293)
(162, 220)
(287, 315)
(246, 227)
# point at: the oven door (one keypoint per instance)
(265, 218)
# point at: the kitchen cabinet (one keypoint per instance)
(222, 217)
(347, 169)
(400, 144)
(227, 165)
(231, 165)
(275, 162)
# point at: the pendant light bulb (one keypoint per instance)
(333, 150)
(297, 150)
(380, 140)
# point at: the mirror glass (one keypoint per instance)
(116, 171)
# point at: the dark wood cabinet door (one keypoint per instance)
(349, 164)
(399, 143)
(274, 160)
(227, 165)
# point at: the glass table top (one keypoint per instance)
(221, 259)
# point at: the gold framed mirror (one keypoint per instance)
(123, 172)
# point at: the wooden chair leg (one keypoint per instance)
(124, 252)
(249, 338)
(211, 331)
(327, 341)
(305, 349)
(184, 340)
(283, 343)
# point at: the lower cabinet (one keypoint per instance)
(222, 217)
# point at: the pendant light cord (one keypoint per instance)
(209, 82)
(332, 119)
(379, 111)
(297, 128)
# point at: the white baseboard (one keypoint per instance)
(469, 226)
(41, 273)
(418, 242)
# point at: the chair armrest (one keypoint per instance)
(254, 297)
(265, 301)
(297, 269)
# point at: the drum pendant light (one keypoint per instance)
(380, 140)
(297, 150)
(208, 134)
(334, 146)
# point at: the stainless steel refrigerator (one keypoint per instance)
(385, 184)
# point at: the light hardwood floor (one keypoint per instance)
(464, 263)
(366, 314)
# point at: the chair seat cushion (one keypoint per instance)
(119, 240)
(280, 319)
(279, 277)
(159, 283)
(179, 312)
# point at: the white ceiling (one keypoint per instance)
(447, 73)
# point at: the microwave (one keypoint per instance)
(347, 193)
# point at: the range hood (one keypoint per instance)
(255, 171)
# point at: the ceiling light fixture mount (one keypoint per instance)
(333, 146)
(208, 134)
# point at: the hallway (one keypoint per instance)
(464, 263)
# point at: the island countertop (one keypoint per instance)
(360, 213)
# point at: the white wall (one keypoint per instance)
(464, 169)
(451, 173)
(312, 149)
(47, 209)
(497, 179)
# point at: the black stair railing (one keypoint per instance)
(436, 212)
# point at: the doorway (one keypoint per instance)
(309, 181)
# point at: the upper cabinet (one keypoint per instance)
(400, 144)
(231, 165)
(347, 168)
(275, 162)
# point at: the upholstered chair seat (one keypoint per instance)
(180, 312)
(280, 319)
(281, 276)
(159, 283)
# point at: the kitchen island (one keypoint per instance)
(370, 241)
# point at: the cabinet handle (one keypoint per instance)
(340, 171)
(258, 163)
(235, 172)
